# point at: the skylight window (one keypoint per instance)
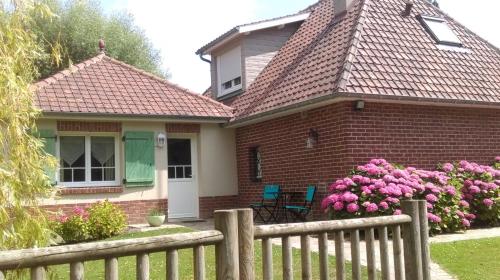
(439, 29)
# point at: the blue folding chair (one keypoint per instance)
(269, 204)
(300, 212)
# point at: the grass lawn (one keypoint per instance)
(95, 269)
(469, 260)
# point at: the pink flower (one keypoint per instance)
(349, 197)
(466, 223)
(433, 218)
(431, 198)
(460, 213)
(329, 200)
(450, 190)
(63, 218)
(384, 205)
(338, 206)
(352, 207)
(447, 167)
(487, 202)
(474, 189)
(371, 207)
(470, 216)
(397, 212)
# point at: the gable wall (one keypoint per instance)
(422, 136)
(258, 48)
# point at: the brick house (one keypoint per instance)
(343, 81)
(296, 100)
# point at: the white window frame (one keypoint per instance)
(221, 91)
(88, 169)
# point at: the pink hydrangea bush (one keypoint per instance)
(479, 186)
(378, 187)
(73, 228)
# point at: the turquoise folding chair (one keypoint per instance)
(300, 212)
(269, 204)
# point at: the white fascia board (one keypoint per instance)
(246, 29)
(272, 23)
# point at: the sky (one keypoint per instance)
(179, 28)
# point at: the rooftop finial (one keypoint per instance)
(102, 45)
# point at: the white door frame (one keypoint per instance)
(194, 169)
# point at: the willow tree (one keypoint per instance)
(23, 164)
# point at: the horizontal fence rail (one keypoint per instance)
(234, 238)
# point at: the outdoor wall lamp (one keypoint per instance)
(160, 140)
(359, 105)
(312, 138)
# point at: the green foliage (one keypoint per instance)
(105, 220)
(156, 212)
(22, 161)
(79, 26)
(101, 220)
(72, 229)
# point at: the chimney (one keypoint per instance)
(408, 7)
(340, 7)
(102, 45)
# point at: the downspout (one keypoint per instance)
(204, 59)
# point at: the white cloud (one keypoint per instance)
(179, 28)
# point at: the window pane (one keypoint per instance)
(78, 175)
(102, 151)
(441, 31)
(227, 85)
(180, 172)
(96, 174)
(237, 81)
(109, 174)
(65, 175)
(187, 172)
(171, 172)
(72, 151)
(179, 152)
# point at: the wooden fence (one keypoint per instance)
(234, 236)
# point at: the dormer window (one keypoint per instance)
(229, 71)
(440, 31)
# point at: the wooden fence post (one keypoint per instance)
(246, 244)
(226, 251)
(424, 239)
(411, 241)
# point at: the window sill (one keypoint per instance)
(90, 190)
(229, 95)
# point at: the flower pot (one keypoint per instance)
(156, 221)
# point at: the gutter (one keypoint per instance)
(134, 117)
(331, 98)
(204, 59)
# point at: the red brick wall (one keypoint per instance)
(182, 128)
(408, 134)
(89, 126)
(209, 204)
(136, 211)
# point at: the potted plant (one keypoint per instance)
(156, 217)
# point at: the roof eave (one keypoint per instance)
(331, 98)
(134, 117)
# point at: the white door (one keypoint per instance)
(182, 181)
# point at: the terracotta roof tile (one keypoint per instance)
(374, 51)
(102, 85)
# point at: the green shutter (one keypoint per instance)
(48, 138)
(139, 159)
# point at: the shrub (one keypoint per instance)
(479, 185)
(105, 220)
(377, 188)
(73, 228)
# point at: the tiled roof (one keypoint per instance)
(373, 52)
(102, 85)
